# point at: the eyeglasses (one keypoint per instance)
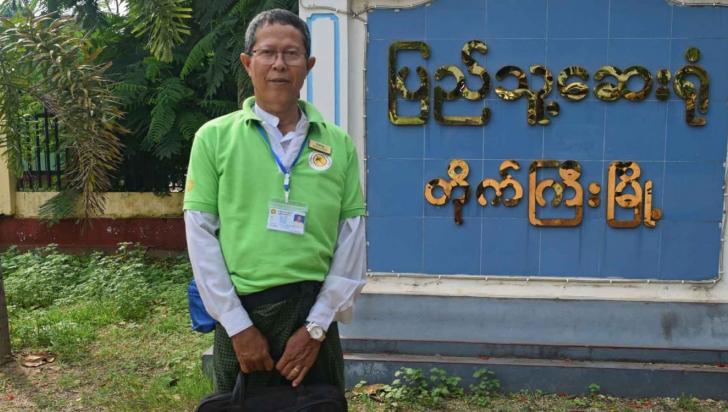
(290, 57)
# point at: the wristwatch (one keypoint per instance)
(315, 331)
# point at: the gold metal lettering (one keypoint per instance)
(537, 108)
(475, 69)
(398, 88)
(607, 91)
(461, 89)
(509, 181)
(569, 171)
(480, 192)
(519, 91)
(574, 91)
(628, 173)
(646, 87)
(692, 54)
(441, 96)
(500, 187)
(458, 171)
(663, 92)
(625, 192)
(686, 90)
(610, 92)
(652, 215)
(430, 191)
(594, 190)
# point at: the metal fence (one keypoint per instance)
(41, 154)
(44, 160)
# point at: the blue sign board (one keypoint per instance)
(651, 133)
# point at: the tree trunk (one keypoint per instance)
(4, 327)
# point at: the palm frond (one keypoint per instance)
(189, 121)
(163, 117)
(153, 68)
(168, 145)
(170, 93)
(53, 53)
(10, 113)
(164, 21)
(129, 92)
(216, 108)
(202, 49)
(59, 206)
(216, 72)
(206, 11)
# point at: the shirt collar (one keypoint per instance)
(311, 113)
(273, 120)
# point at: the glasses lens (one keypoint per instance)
(293, 57)
(290, 57)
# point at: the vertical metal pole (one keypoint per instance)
(58, 153)
(37, 152)
(19, 182)
(48, 171)
(5, 354)
(29, 173)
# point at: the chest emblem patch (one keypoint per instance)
(319, 161)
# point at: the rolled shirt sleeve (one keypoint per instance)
(346, 277)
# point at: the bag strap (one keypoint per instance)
(238, 396)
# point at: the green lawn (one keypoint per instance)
(119, 330)
(118, 325)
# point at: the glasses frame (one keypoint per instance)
(290, 57)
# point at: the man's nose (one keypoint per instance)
(278, 61)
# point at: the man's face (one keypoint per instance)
(277, 66)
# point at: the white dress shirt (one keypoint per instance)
(342, 284)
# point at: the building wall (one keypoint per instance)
(146, 218)
(497, 260)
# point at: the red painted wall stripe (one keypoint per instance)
(155, 233)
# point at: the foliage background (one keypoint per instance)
(170, 65)
(167, 101)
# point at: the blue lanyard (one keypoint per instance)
(286, 172)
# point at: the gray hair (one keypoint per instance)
(276, 16)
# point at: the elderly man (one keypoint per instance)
(273, 215)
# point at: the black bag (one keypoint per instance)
(308, 398)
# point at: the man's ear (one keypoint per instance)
(310, 63)
(245, 59)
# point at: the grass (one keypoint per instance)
(119, 327)
(128, 347)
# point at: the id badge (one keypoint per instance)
(287, 217)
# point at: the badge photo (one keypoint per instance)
(319, 161)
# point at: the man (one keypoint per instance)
(273, 215)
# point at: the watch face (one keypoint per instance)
(317, 332)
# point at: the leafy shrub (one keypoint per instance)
(485, 386)
(688, 403)
(120, 279)
(59, 301)
(409, 385)
(444, 386)
(39, 278)
(412, 386)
